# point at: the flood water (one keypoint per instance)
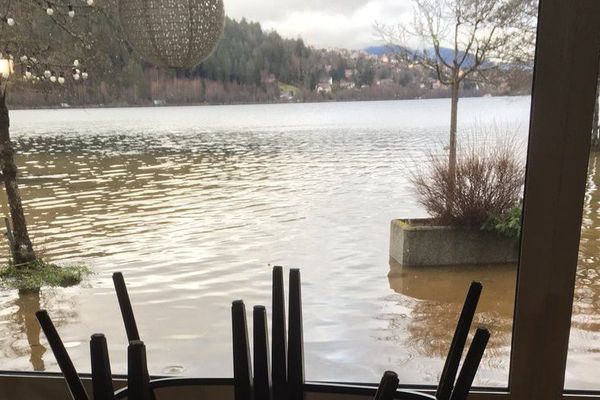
(196, 204)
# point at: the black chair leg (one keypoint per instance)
(262, 381)
(242, 373)
(387, 387)
(101, 373)
(279, 355)
(471, 364)
(125, 306)
(295, 339)
(138, 380)
(127, 311)
(62, 357)
(458, 342)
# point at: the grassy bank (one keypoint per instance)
(40, 273)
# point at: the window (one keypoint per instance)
(583, 339)
(557, 161)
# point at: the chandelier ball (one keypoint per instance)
(173, 33)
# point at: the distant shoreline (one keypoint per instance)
(103, 106)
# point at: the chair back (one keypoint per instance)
(285, 380)
(459, 339)
(102, 385)
(62, 356)
(387, 386)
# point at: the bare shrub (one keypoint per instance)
(488, 182)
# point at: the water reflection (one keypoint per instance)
(449, 284)
(29, 304)
(25, 330)
(584, 343)
(586, 308)
(440, 293)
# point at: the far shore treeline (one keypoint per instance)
(252, 65)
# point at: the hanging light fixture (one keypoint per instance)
(173, 33)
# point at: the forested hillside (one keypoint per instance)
(250, 65)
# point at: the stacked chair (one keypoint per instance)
(138, 379)
(286, 378)
(286, 381)
(257, 380)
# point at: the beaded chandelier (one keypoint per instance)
(173, 33)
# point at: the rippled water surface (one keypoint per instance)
(195, 204)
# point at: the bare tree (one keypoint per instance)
(464, 39)
(44, 45)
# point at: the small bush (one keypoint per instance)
(487, 182)
(508, 224)
(33, 276)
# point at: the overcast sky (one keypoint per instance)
(323, 23)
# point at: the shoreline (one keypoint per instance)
(174, 105)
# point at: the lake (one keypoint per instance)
(196, 204)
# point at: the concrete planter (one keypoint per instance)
(417, 243)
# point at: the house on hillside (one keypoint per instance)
(385, 82)
(268, 78)
(345, 84)
(325, 85)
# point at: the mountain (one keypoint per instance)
(377, 50)
(446, 53)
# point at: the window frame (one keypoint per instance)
(566, 68)
(567, 55)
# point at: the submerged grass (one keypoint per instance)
(40, 273)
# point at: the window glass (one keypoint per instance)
(337, 169)
(585, 328)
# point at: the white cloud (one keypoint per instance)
(333, 23)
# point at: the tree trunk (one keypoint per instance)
(453, 126)
(22, 249)
(452, 145)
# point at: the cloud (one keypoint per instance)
(278, 9)
(332, 23)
